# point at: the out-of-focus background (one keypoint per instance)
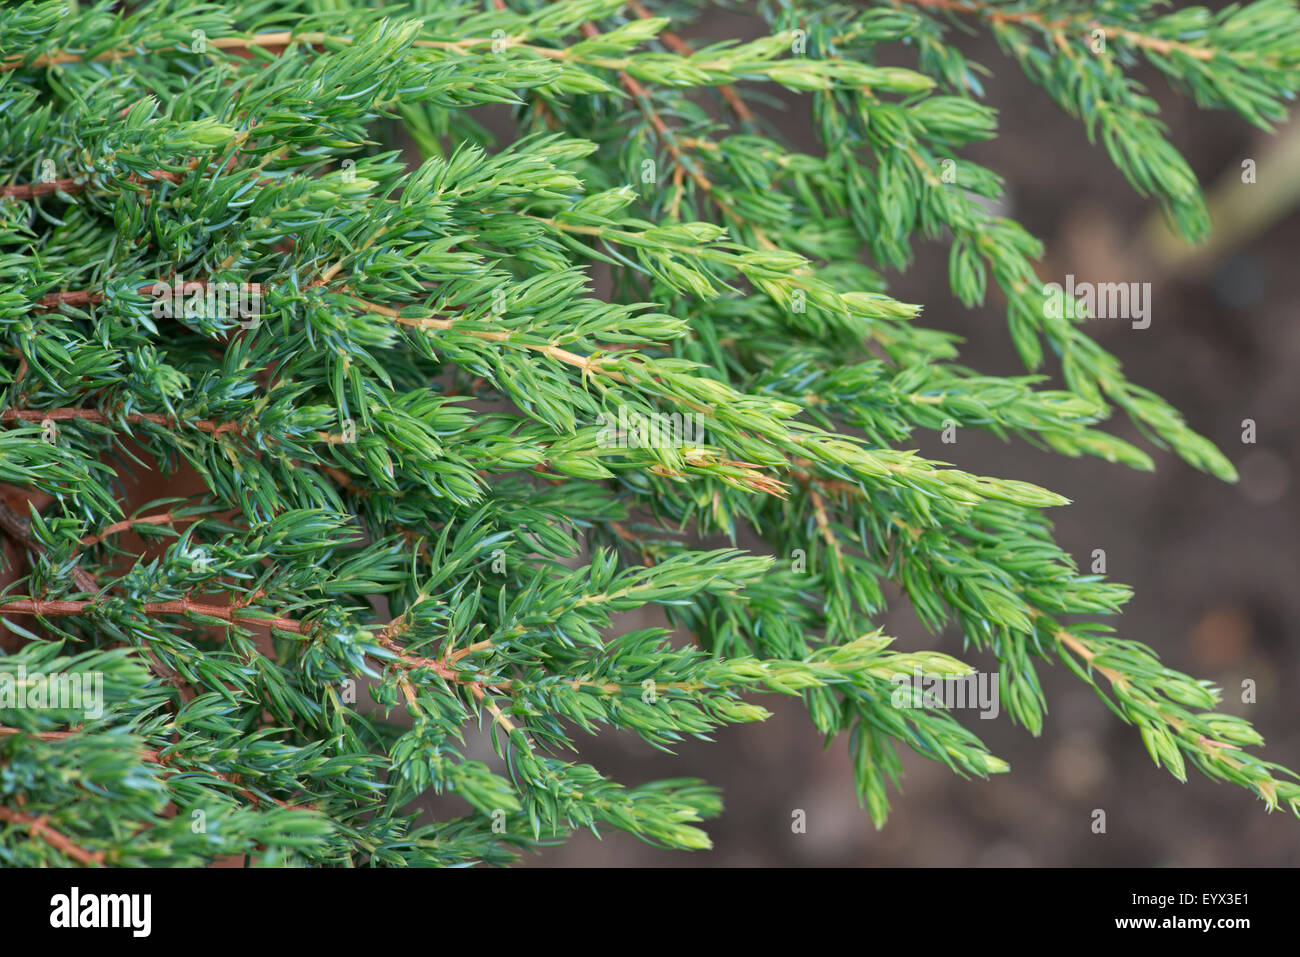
(1214, 566)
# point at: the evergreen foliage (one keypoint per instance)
(414, 493)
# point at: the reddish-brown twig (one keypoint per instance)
(38, 827)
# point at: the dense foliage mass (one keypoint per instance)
(287, 246)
